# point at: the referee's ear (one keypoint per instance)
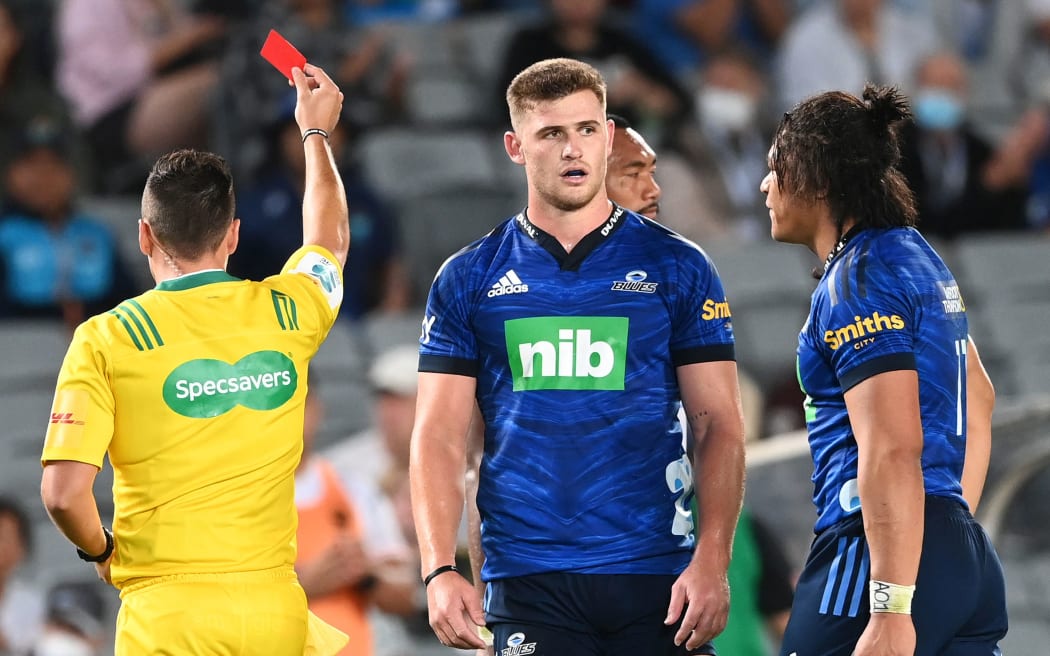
(233, 237)
(145, 242)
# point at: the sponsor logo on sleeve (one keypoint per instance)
(862, 331)
(205, 388)
(951, 298)
(326, 273)
(713, 309)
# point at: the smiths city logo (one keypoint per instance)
(516, 646)
(951, 299)
(509, 283)
(634, 281)
(568, 353)
(263, 380)
(862, 331)
(713, 309)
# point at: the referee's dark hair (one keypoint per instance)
(844, 151)
(13, 509)
(619, 122)
(188, 202)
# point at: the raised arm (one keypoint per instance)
(326, 217)
(438, 461)
(711, 396)
(980, 401)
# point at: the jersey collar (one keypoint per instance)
(841, 246)
(571, 261)
(196, 279)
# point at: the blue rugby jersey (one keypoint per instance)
(886, 303)
(575, 354)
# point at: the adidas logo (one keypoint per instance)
(509, 283)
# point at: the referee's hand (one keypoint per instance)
(318, 99)
(455, 611)
(102, 569)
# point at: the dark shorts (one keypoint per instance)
(959, 608)
(557, 614)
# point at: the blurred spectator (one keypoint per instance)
(725, 149)
(138, 75)
(763, 589)
(75, 623)
(1023, 157)
(360, 59)
(364, 12)
(21, 607)
(640, 87)
(352, 555)
(24, 85)
(944, 159)
(684, 33)
(841, 44)
(54, 261)
(271, 216)
(992, 38)
(381, 452)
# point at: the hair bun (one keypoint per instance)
(886, 106)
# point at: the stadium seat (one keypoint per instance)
(403, 163)
(32, 353)
(445, 99)
(1001, 269)
(753, 272)
(437, 225)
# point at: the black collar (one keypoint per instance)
(572, 261)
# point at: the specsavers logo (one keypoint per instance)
(570, 353)
(203, 388)
(861, 332)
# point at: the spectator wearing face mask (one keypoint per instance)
(946, 162)
(725, 149)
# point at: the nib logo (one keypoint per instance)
(509, 283)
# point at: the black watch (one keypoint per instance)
(102, 557)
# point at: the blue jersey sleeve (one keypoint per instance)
(447, 342)
(870, 326)
(702, 327)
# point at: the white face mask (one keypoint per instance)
(62, 644)
(725, 109)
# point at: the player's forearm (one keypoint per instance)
(326, 218)
(73, 510)
(436, 476)
(892, 499)
(719, 480)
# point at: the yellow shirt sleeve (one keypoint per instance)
(81, 423)
(313, 273)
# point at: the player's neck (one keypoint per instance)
(828, 239)
(569, 226)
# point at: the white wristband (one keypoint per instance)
(890, 597)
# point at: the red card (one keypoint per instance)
(282, 54)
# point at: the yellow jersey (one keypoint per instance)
(196, 390)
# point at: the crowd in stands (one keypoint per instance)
(92, 91)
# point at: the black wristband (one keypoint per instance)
(307, 133)
(102, 557)
(440, 570)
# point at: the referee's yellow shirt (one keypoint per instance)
(195, 389)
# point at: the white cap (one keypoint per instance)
(395, 370)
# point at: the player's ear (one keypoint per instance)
(512, 144)
(233, 236)
(145, 243)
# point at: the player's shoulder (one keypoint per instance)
(668, 243)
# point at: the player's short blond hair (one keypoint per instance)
(551, 79)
